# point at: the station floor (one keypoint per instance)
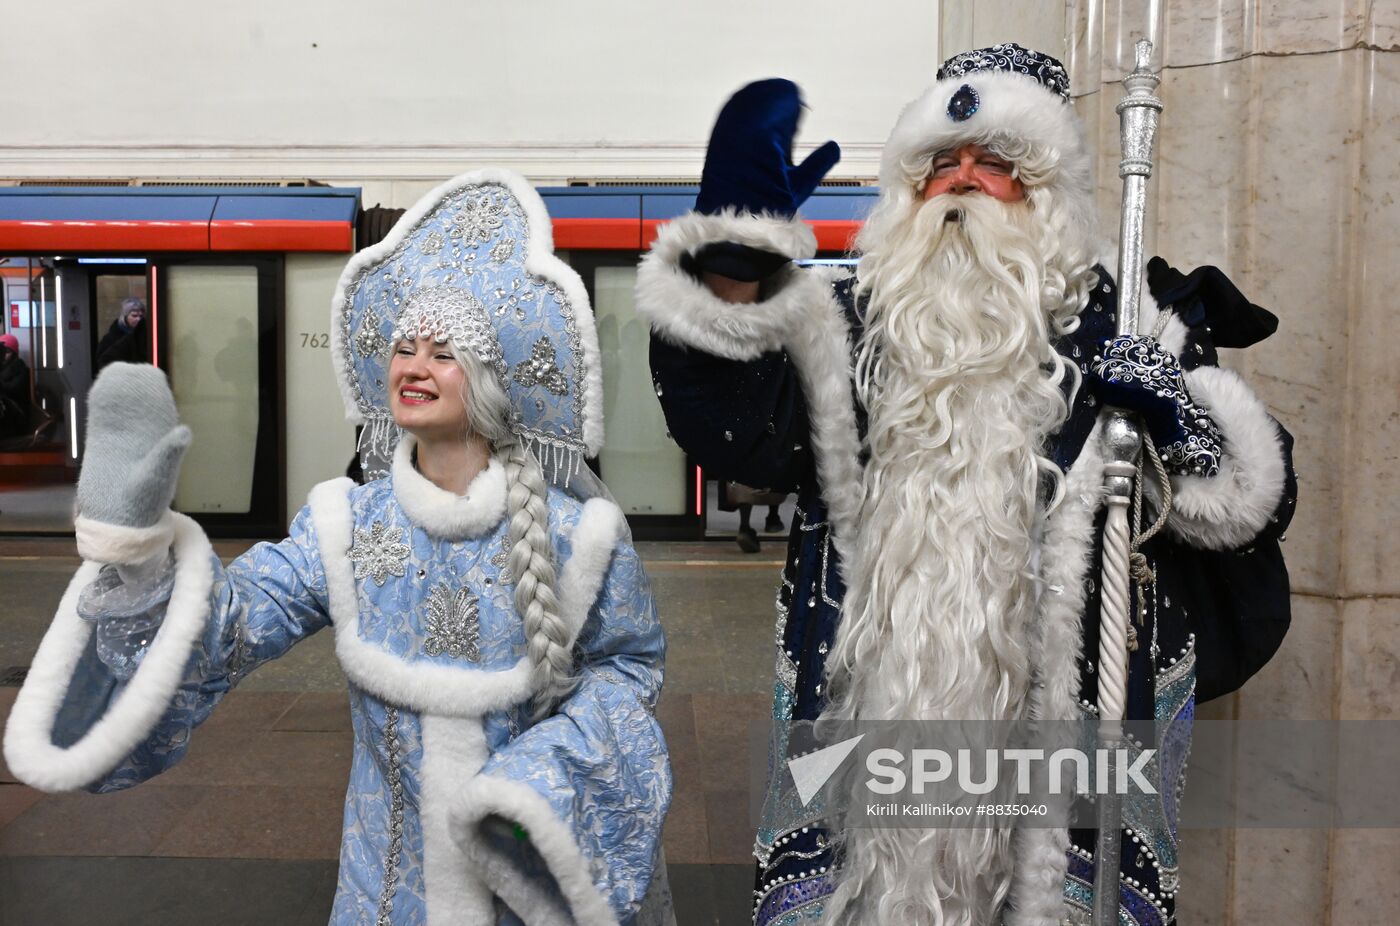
(246, 829)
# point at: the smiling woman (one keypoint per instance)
(497, 628)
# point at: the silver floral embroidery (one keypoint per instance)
(541, 369)
(432, 244)
(379, 553)
(453, 624)
(370, 342)
(502, 251)
(476, 220)
(395, 851)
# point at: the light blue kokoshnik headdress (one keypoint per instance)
(473, 263)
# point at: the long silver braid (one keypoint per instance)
(531, 560)
(532, 567)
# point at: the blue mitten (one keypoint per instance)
(134, 446)
(749, 169)
(1135, 373)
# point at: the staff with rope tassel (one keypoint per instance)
(1138, 114)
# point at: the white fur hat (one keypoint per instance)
(1005, 91)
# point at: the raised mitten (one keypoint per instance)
(134, 446)
(749, 170)
(1135, 372)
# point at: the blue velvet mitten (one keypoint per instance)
(1136, 373)
(749, 170)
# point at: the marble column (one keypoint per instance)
(1278, 163)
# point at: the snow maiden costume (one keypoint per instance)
(766, 393)
(464, 806)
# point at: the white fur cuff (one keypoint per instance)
(100, 542)
(485, 796)
(685, 312)
(1228, 510)
(29, 746)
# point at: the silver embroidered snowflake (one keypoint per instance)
(502, 251)
(370, 341)
(541, 368)
(476, 220)
(379, 553)
(433, 243)
(453, 624)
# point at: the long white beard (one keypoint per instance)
(961, 382)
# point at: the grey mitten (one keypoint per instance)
(134, 446)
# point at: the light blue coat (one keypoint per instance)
(448, 768)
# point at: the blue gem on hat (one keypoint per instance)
(1013, 58)
(963, 104)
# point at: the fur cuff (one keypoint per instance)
(571, 870)
(100, 542)
(1229, 510)
(29, 747)
(682, 310)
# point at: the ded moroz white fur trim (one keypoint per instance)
(1037, 882)
(440, 512)
(685, 312)
(540, 261)
(485, 796)
(450, 691)
(1009, 105)
(100, 542)
(29, 747)
(600, 526)
(1229, 509)
(454, 749)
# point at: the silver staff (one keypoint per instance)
(1122, 445)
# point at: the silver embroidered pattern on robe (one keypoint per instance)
(453, 624)
(502, 252)
(395, 852)
(541, 369)
(379, 553)
(502, 563)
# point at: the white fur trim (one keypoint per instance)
(100, 542)
(454, 749)
(1229, 509)
(540, 261)
(821, 350)
(29, 747)
(451, 691)
(484, 796)
(600, 526)
(444, 514)
(684, 311)
(1037, 882)
(1011, 105)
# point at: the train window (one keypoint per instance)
(637, 444)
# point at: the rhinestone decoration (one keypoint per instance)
(395, 851)
(432, 244)
(370, 341)
(477, 219)
(963, 104)
(1009, 56)
(453, 624)
(379, 553)
(502, 252)
(502, 563)
(541, 369)
(445, 313)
